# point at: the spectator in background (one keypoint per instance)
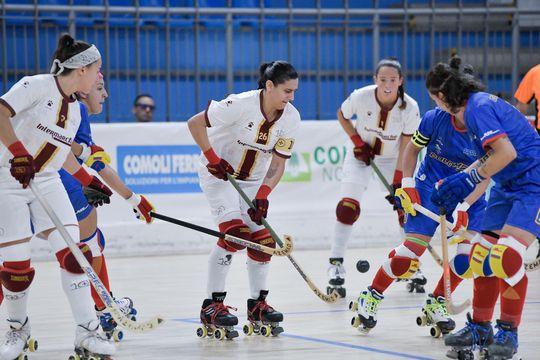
(143, 108)
(529, 90)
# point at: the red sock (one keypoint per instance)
(454, 282)
(100, 266)
(486, 292)
(381, 281)
(512, 299)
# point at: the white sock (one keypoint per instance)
(258, 274)
(16, 304)
(77, 289)
(342, 234)
(219, 264)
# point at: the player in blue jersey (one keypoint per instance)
(511, 156)
(84, 200)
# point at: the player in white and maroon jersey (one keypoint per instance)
(39, 117)
(386, 118)
(250, 136)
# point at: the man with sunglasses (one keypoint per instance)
(143, 108)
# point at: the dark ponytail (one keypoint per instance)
(68, 47)
(276, 71)
(394, 63)
(455, 81)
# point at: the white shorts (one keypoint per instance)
(20, 210)
(225, 202)
(356, 175)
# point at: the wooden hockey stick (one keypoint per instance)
(452, 308)
(326, 298)
(286, 250)
(119, 317)
(390, 189)
(530, 266)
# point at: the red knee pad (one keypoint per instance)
(17, 279)
(262, 237)
(68, 262)
(347, 211)
(235, 228)
(400, 266)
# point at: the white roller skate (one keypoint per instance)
(89, 345)
(109, 326)
(367, 307)
(17, 341)
(336, 277)
(435, 314)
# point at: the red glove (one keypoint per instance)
(142, 207)
(396, 184)
(460, 216)
(362, 150)
(217, 166)
(261, 205)
(92, 182)
(23, 167)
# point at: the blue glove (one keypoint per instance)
(453, 189)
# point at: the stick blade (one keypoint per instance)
(455, 309)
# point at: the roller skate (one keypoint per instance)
(17, 341)
(416, 283)
(108, 324)
(336, 275)
(467, 340)
(435, 314)
(263, 319)
(367, 306)
(216, 320)
(505, 342)
(89, 345)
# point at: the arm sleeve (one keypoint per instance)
(348, 107)
(524, 92)
(223, 113)
(423, 134)
(23, 95)
(412, 119)
(285, 143)
(485, 124)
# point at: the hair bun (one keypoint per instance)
(455, 62)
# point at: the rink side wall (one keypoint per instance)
(160, 160)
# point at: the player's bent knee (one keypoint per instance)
(401, 267)
(460, 264)
(17, 280)
(347, 211)
(479, 260)
(235, 228)
(505, 261)
(68, 261)
(261, 237)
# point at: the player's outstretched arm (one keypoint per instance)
(100, 190)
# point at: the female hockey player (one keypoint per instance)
(251, 136)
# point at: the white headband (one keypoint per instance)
(77, 61)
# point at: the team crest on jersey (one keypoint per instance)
(250, 125)
(369, 113)
(493, 97)
(50, 103)
(438, 145)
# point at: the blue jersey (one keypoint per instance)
(489, 118)
(448, 149)
(84, 134)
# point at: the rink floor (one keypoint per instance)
(174, 287)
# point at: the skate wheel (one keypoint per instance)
(219, 334)
(342, 292)
(355, 321)
(248, 329)
(202, 332)
(74, 357)
(23, 357)
(435, 331)
(231, 334)
(117, 335)
(353, 306)
(421, 321)
(32, 345)
(266, 330)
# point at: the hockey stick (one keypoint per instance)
(326, 298)
(530, 266)
(119, 317)
(286, 250)
(452, 308)
(390, 189)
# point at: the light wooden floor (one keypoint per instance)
(174, 287)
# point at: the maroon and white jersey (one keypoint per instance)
(44, 119)
(241, 134)
(379, 127)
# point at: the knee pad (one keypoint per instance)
(506, 259)
(401, 267)
(69, 263)
(93, 243)
(480, 251)
(347, 211)
(460, 264)
(17, 280)
(101, 239)
(235, 228)
(262, 237)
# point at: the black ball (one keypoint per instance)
(362, 266)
